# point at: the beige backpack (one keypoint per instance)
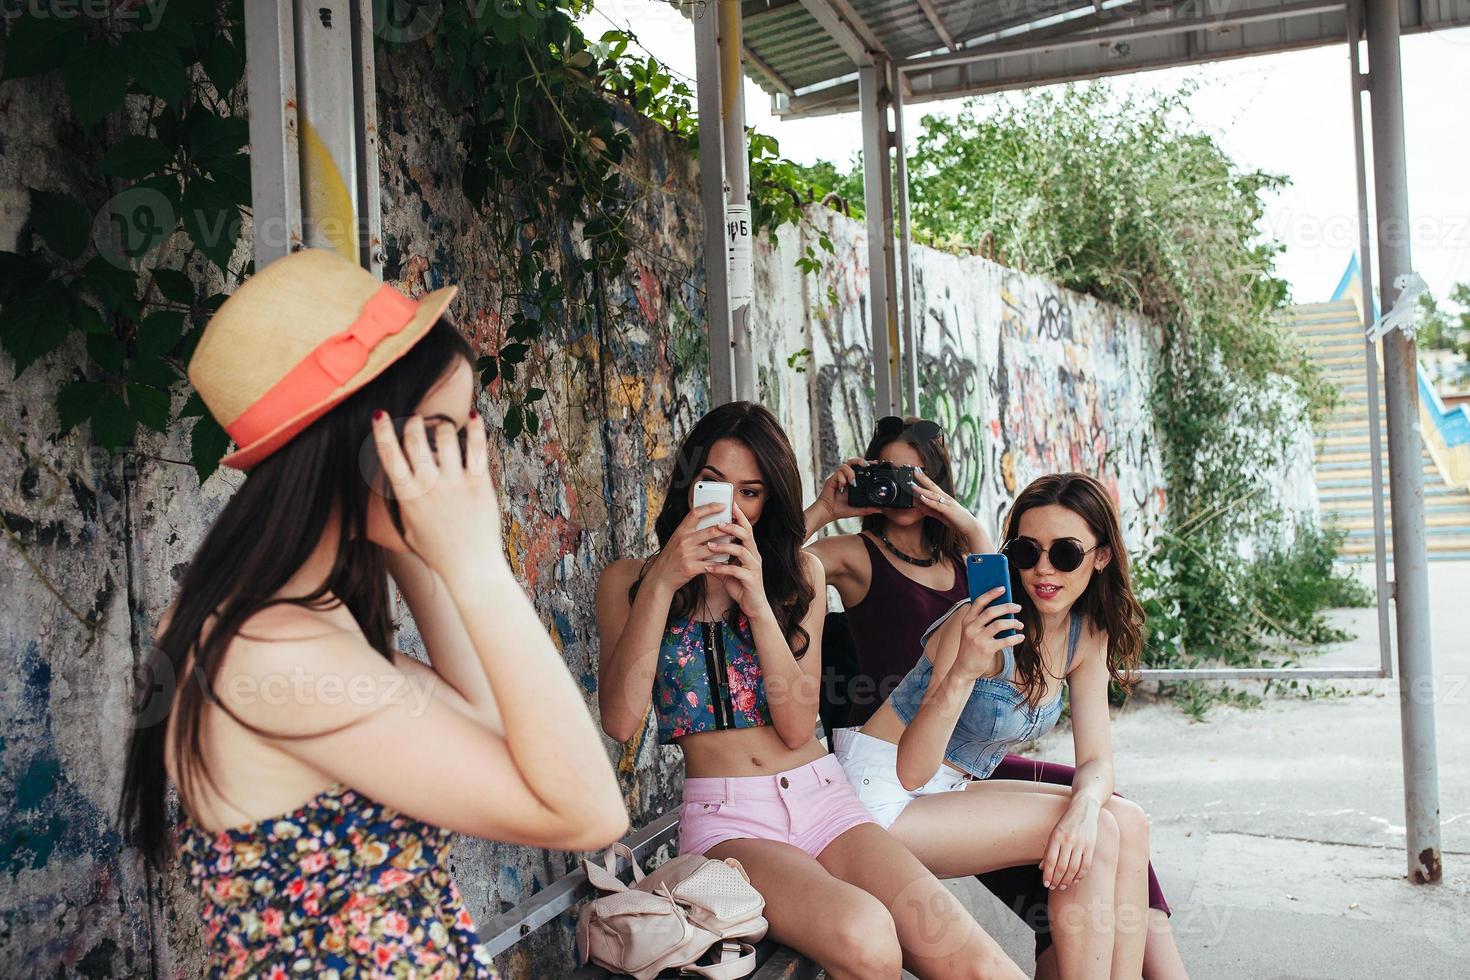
(671, 917)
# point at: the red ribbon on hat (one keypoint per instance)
(329, 365)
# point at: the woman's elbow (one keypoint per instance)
(619, 730)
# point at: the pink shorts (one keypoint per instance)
(809, 806)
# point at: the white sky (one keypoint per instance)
(1286, 113)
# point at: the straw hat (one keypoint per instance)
(296, 339)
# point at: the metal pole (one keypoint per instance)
(878, 203)
(1370, 349)
(275, 170)
(910, 344)
(1405, 450)
(712, 201)
(327, 105)
(737, 180)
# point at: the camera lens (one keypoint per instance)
(884, 490)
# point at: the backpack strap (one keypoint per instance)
(736, 960)
(604, 876)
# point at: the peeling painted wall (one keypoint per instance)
(1027, 377)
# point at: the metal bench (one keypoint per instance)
(505, 930)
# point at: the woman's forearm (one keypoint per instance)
(627, 672)
(793, 707)
(548, 730)
(450, 651)
(1093, 782)
(921, 748)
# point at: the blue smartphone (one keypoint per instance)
(986, 572)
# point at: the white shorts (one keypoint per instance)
(871, 765)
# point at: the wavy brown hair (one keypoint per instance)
(1108, 602)
(939, 467)
(780, 531)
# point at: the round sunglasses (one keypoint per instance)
(893, 426)
(1066, 554)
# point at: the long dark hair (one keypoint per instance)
(939, 467)
(1107, 602)
(780, 531)
(261, 538)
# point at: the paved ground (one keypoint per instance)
(1278, 832)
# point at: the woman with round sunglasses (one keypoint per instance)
(322, 773)
(990, 679)
(719, 631)
(891, 598)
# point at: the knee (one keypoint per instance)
(865, 941)
(1132, 825)
(1106, 851)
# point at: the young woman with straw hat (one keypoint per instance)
(273, 680)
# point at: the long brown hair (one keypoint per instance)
(261, 538)
(939, 467)
(1107, 603)
(780, 531)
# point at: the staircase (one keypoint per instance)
(1333, 334)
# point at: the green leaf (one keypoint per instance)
(158, 373)
(514, 422)
(193, 406)
(534, 395)
(88, 319)
(208, 444)
(174, 285)
(136, 156)
(224, 63)
(533, 421)
(211, 219)
(62, 221)
(117, 288)
(34, 323)
(489, 372)
(158, 333)
(95, 79)
(508, 371)
(39, 44)
(150, 406)
(214, 138)
(233, 174)
(20, 272)
(113, 423)
(154, 61)
(107, 351)
(513, 353)
(78, 401)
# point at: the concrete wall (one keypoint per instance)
(1027, 377)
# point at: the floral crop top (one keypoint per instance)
(694, 652)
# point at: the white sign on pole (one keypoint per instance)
(740, 254)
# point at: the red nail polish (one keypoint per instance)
(377, 415)
(474, 413)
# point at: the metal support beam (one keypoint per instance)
(1405, 450)
(878, 203)
(712, 202)
(737, 184)
(847, 28)
(314, 152)
(1384, 590)
(932, 16)
(909, 345)
(275, 170)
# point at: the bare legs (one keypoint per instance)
(865, 908)
(1102, 919)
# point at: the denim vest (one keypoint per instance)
(995, 718)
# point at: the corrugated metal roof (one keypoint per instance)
(806, 52)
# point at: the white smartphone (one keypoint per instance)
(707, 492)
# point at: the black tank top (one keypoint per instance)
(886, 627)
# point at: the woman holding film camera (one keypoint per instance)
(720, 630)
(891, 601)
(321, 772)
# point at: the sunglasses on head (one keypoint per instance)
(892, 426)
(1066, 554)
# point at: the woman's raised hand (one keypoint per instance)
(687, 552)
(451, 515)
(833, 498)
(934, 502)
(743, 576)
(980, 641)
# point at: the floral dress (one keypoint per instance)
(343, 887)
